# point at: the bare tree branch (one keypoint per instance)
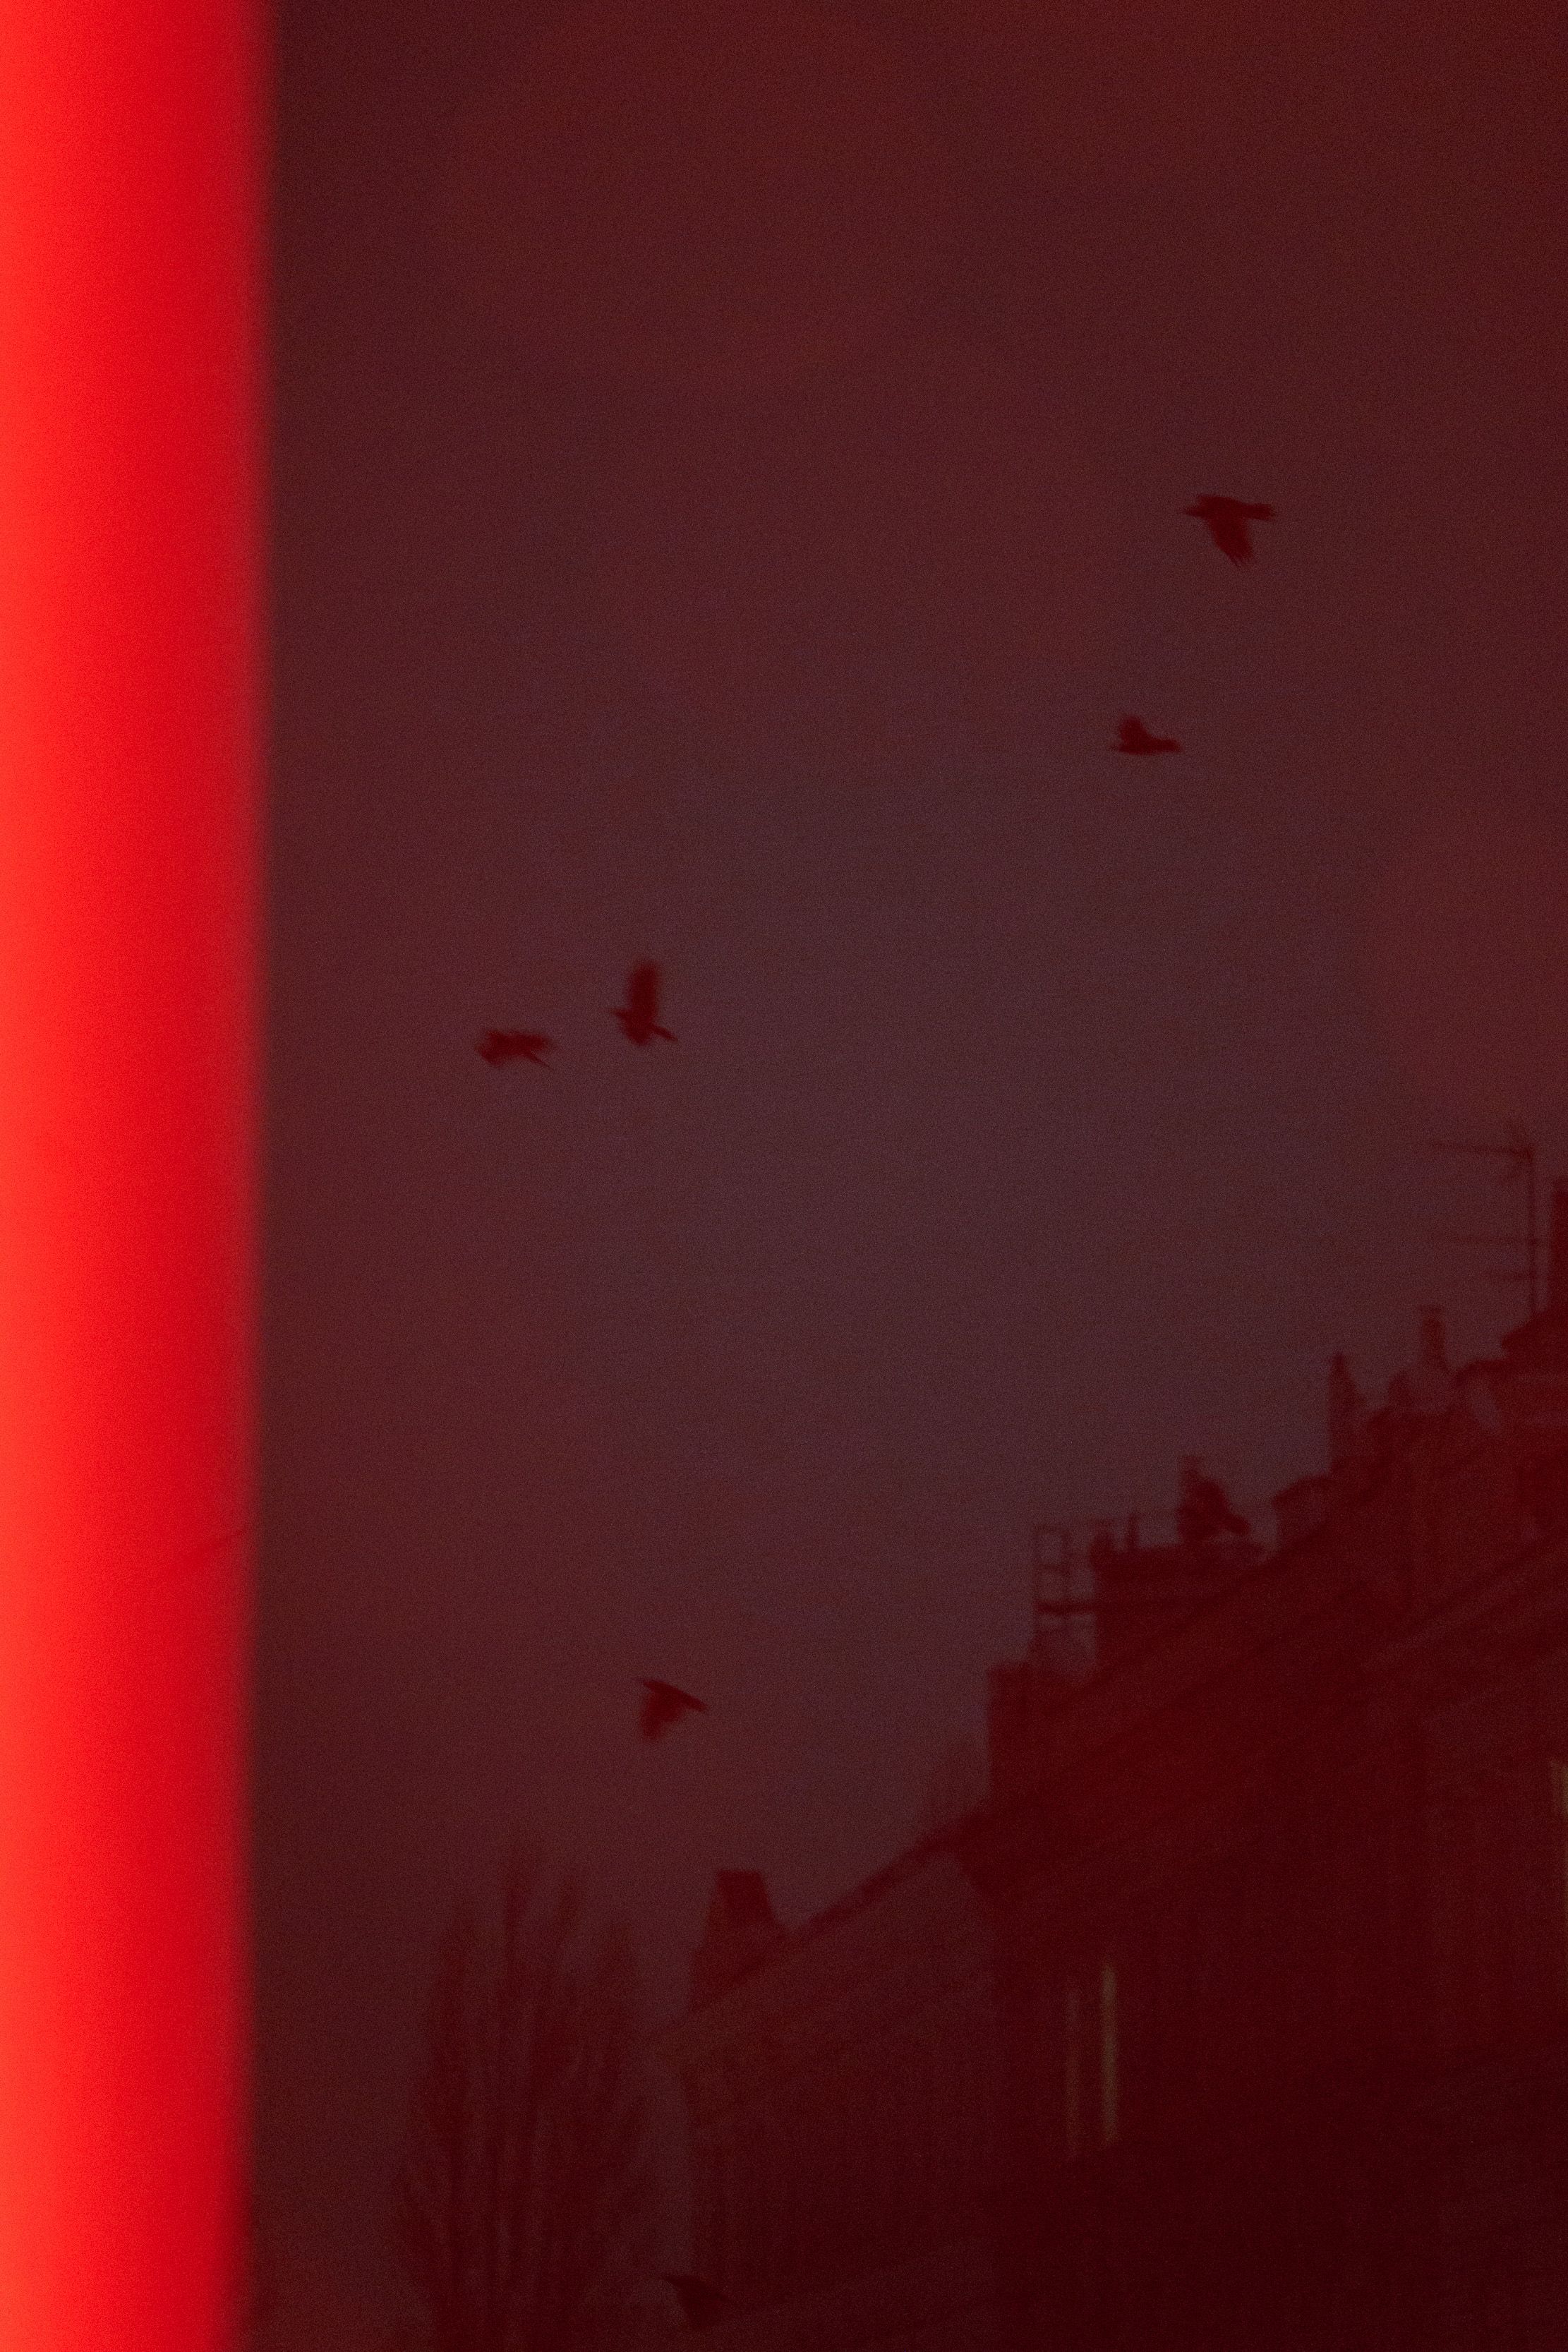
(523, 2206)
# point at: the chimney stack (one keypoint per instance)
(1344, 1411)
(739, 1934)
(1434, 1348)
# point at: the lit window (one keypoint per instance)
(1109, 2054)
(1072, 2079)
(1078, 2086)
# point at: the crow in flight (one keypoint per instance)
(638, 1016)
(1133, 736)
(1205, 1512)
(499, 1045)
(1227, 519)
(664, 1706)
(702, 2304)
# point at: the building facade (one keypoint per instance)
(1281, 1899)
(1237, 2018)
(841, 2094)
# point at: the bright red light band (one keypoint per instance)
(131, 268)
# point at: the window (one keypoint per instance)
(1078, 2058)
(1072, 2084)
(1559, 1808)
(1109, 2055)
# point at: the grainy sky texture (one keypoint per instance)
(730, 466)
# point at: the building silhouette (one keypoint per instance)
(841, 2096)
(1269, 1905)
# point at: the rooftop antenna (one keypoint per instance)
(1519, 1150)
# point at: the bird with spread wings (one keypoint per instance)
(1133, 736)
(499, 1045)
(1227, 519)
(664, 1706)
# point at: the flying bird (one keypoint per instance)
(664, 1706)
(499, 1045)
(1133, 736)
(638, 1016)
(702, 2304)
(1227, 519)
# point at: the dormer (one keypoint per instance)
(1427, 1386)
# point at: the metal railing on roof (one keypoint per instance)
(1150, 1575)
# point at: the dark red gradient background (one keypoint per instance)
(130, 273)
(682, 193)
(730, 469)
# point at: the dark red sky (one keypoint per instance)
(729, 484)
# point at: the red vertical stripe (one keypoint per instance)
(130, 271)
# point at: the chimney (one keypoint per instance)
(1426, 1385)
(1189, 1470)
(1344, 1412)
(1007, 1726)
(1301, 1508)
(1557, 1265)
(739, 1934)
(1433, 1351)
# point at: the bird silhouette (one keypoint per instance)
(664, 1706)
(701, 2305)
(1205, 1512)
(1133, 736)
(499, 1045)
(638, 1016)
(1227, 519)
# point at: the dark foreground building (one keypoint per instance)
(841, 2089)
(1274, 1877)
(1281, 1907)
